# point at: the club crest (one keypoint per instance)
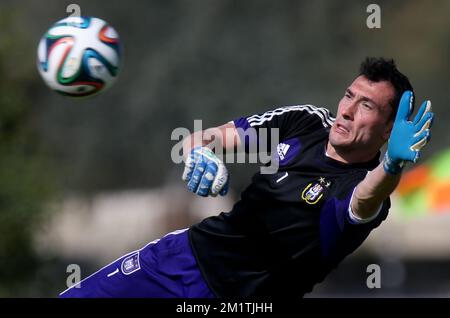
(313, 192)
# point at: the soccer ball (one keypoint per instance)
(79, 56)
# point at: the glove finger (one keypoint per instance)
(220, 179)
(405, 106)
(189, 165)
(188, 168)
(425, 123)
(196, 175)
(224, 190)
(421, 140)
(424, 109)
(410, 154)
(207, 180)
(208, 153)
(418, 145)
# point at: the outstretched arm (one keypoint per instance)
(406, 140)
(372, 191)
(225, 136)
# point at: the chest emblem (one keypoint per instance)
(313, 192)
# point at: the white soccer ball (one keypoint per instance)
(79, 56)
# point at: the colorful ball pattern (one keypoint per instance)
(79, 56)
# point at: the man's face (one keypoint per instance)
(362, 121)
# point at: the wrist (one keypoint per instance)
(392, 167)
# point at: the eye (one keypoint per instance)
(367, 106)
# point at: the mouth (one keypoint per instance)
(341, 129)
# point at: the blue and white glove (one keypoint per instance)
(205, 173)
(407, 137)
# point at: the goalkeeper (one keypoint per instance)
(292, 227)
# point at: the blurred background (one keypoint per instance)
(84, 181)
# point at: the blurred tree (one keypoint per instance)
(26, 180)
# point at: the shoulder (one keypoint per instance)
(294, 112)
(347, 182)
(305, 119)
(298, 112)
(291, 121)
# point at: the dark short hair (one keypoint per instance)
(377, 69)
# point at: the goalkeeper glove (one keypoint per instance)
(205, 173)
(407, 138)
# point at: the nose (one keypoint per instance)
(348, 110)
